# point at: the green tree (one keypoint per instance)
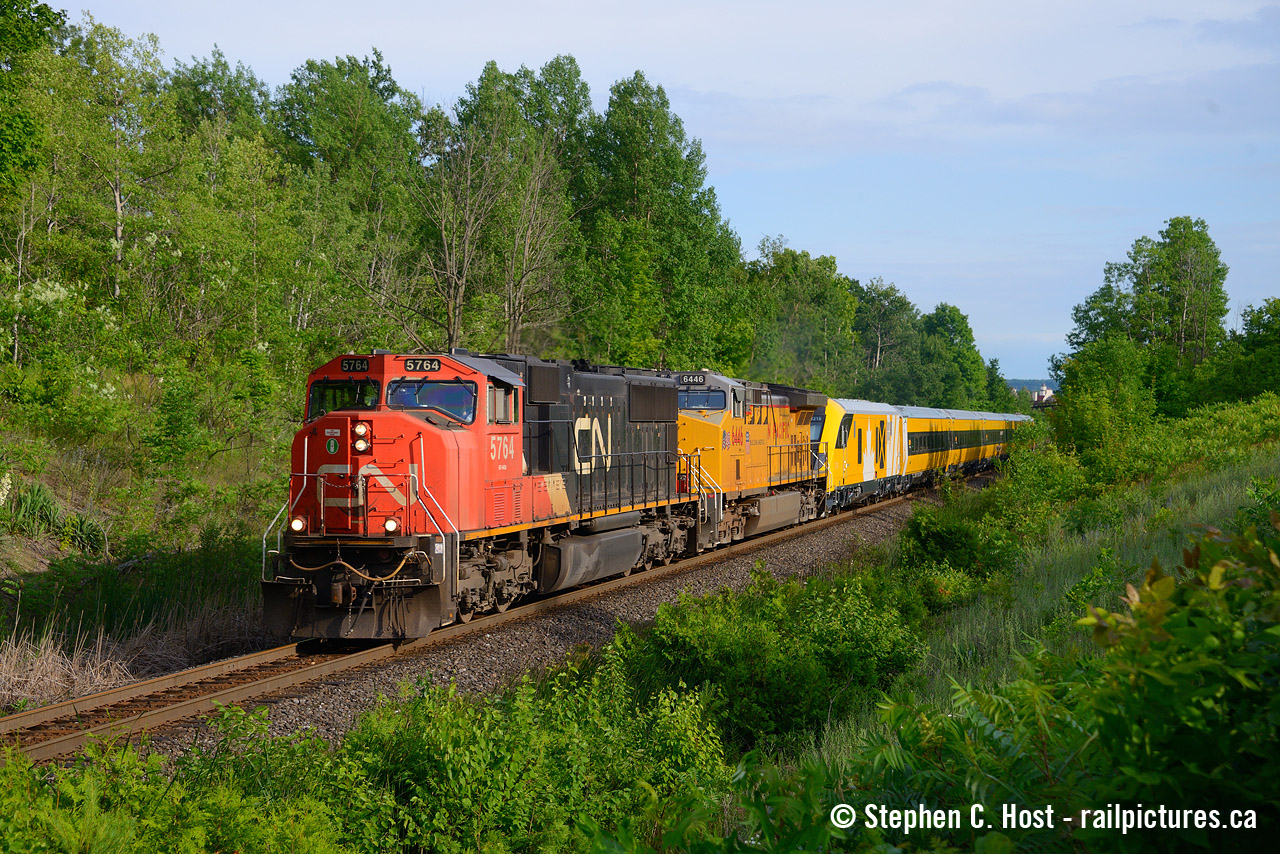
(235, 232)
(1168, 297)
(949, 354)
(1104, 403)
(1248, 363)
(886, 321)
(999, 398)
(529, 236)
(653, 207)
(558, 101)
(804, 311)
(209, 90)
(1260, 343)
(1193, 275)
(887, 331)
(123, 140)
(349, 113)
(466, 178)
(24, 27)
(108, 156)
(353, 132)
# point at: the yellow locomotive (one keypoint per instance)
(751, 456)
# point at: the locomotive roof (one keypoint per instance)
(759, 393)
(799, 397)
(489, 368)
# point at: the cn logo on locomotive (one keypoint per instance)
(590, 438)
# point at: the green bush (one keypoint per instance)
(777, 660)
(1090, 514)
(1187, 706)
(1180, 710)
(947, 553)
(116, 800)
(517, 770)
(1264, 499)
(1037, 482)
(941, 587)
(1212, 436)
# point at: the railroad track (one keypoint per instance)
(127, 712)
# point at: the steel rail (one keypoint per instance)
(81, 705)
(133, 724)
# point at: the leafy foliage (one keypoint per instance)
(1104, 403)
(515, 771)
(436, 771)
(1178, 711)
(1185, 701)
(779, 659)
(24, 27)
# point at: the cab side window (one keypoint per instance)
(502, 404)
(842, 435)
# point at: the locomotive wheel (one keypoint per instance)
(465, 616)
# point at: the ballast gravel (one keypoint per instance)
(483, 661)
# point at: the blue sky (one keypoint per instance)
(994, 155)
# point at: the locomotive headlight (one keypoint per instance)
(361, 429)
(361, 445)
(297, 524)
(391, 525)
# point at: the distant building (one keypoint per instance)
(1043, 398)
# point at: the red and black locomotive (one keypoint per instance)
(425, 490)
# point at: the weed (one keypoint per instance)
(34, 512)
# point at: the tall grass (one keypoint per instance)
(1080, 558)
(127, 596)
(154, 613)
(43, 668)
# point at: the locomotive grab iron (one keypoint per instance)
(427, 489)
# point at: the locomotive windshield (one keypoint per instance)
(332, 395)
(455, 399)
(702, 399)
